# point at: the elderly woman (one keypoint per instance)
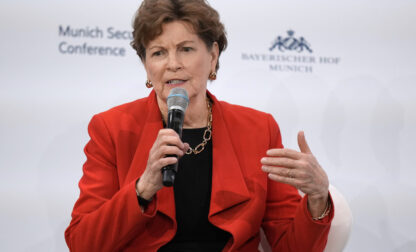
(239, 179)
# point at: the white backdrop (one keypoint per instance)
(353, 95)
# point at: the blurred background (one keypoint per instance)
(342, 71)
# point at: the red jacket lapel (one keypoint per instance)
(228, 186)
(152, 123)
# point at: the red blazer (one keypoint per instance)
(107, 216)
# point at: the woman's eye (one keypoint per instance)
(187, 49)
(157, 53)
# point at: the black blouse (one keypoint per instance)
(192, 189)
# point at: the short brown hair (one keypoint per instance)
(152, 14)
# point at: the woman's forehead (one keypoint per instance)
(175, 32)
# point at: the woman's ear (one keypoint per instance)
(215, 51)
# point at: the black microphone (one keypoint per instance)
(177, 103)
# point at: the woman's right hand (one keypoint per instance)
(166, 143)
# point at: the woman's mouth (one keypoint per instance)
(175, 82)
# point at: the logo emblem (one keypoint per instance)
(290, 43)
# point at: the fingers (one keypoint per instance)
(169, 137)
(186, 147)
(297, 168)
(282, 179)
(303, 145)
(293, 154)
(283, 172)
(162, 162)
(165, 151)
(284, 153)
(168, 143)
(293, 177)
(166, 146)
(280, 161)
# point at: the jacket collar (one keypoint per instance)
(228, 186)
(150, 124)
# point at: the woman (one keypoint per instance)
(226, 189)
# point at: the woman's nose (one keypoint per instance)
(174, 63)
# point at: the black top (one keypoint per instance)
(192, 189)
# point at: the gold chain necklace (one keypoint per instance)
(207, 134)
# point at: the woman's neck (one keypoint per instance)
(196, 115)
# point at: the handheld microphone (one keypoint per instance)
(177, 103)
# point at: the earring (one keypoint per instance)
(212, 76)
(149, 84)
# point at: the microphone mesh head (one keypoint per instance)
(178, 99)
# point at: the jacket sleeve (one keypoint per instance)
(287, 222)
(105, 216)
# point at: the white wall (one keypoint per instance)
(358, 111)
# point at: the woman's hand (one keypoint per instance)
(166, 143)
(301, 170)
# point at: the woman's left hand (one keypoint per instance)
(301, 170)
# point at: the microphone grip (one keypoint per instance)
(175, 122)
(168, 176)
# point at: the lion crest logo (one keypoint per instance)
(290, 43)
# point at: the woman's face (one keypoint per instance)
(179, 58)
